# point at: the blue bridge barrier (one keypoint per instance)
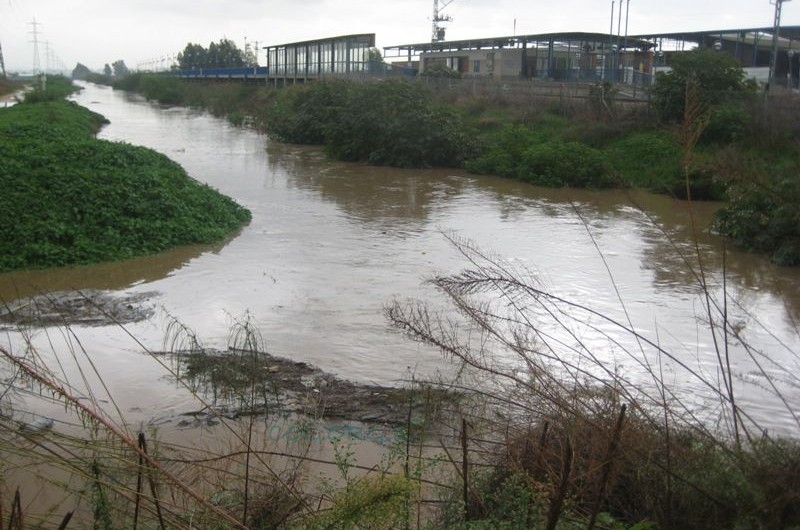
(247, 72)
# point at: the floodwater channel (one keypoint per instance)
(331, 243)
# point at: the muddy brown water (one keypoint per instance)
(331, 243)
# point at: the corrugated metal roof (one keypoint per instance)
(787, 34)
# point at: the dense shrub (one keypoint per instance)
(565, 164)
(503, 150)
(727, 123)
(130, 83)
(166, 90)
(719, 78)
(302, 114)
(650, 159)
(536, 155)
(55, 87)
(764, 216)
(75, 199)
(392, 123)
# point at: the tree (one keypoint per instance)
(192, 57)
(120, 70)
(226, 54)
(81, 72)
(718, 77)
(222, 54)
(107, 70)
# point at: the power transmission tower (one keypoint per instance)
(47, 57)
(37, 67)
(2, 62)
(438, 30)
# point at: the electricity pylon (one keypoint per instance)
(2, 63)
(35, 32)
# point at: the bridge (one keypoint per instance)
(242, 73)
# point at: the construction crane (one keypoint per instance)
(439, 19)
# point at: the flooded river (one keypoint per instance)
(331, 243)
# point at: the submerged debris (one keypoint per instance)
(85, 308)
(41, 423)
(245, 382)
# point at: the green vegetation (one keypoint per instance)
(763, 213)
(594, 144)
(232, 101)
(533, 155)
(111, 73)
(222, 54)
(75, 199)
(56, 87)
(81, 72)
(394, 123)
(718, 76)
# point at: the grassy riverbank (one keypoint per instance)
(73, 199)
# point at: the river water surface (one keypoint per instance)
(331, 243)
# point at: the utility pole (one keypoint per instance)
(627, 10)
(773, 64)
(619, 43)
(608, 68)
(625, 46)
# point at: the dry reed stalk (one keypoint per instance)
(98, 419)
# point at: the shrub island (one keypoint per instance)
(75, 199)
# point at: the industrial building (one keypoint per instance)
(564, 57)
(593, 57)
(300, 61)
(559, 56)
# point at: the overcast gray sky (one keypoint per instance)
(95, 32)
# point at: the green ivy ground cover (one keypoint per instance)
(68, 198)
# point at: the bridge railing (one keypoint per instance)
(224, 73)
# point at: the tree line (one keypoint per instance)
(115, 69)
(222, 54)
